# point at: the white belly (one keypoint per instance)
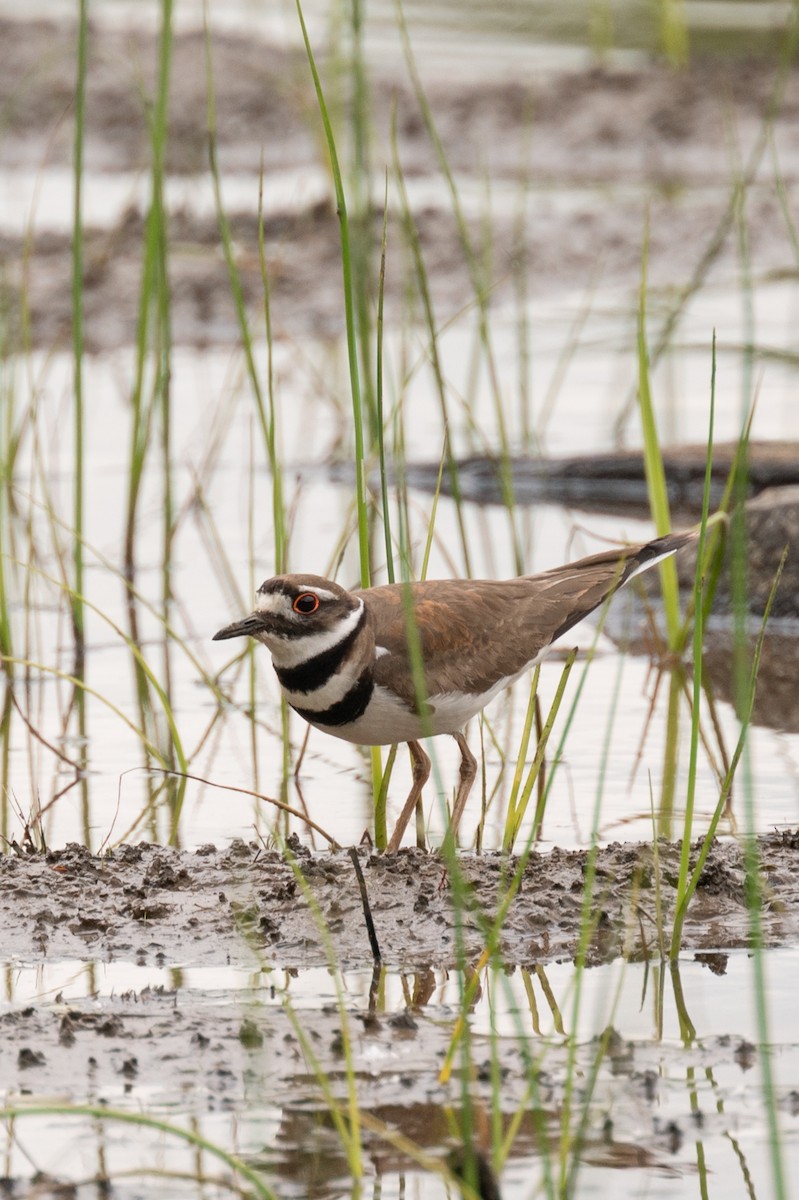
(386, 720)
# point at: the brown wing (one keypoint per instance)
(476, 632)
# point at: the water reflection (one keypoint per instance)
(638, 1066)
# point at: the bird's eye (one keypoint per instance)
(306, 604)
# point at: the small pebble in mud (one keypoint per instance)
(745, 1055)
(715, 961)
(28, 1058)
(403, 1022)
(66, 1031)
(672, 1135)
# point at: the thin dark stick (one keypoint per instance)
(367, 912)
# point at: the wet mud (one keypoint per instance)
(246, 907)
(213, 1051)
(594, 149)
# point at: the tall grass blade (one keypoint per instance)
(653, 462)
(349, 311)
(78, 588)
(685, 848)
(516, 812)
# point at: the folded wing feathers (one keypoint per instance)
(526, 615)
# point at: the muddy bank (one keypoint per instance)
(593, 149)
(245, 907)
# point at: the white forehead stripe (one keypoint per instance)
(299, 647)
(273, 602)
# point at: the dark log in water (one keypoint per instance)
(612, 482)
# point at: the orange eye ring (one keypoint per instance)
(305, 604)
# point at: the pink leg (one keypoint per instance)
(466, 777)
(421, 772)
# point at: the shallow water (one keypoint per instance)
(676, 1096)
(213, 417)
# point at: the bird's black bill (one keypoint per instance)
(249, 627)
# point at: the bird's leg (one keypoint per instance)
(466, 777)
(420, 764)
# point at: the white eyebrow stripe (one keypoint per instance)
(280, 602)
(322, 593)
(381, 651)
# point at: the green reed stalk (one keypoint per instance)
(785, 202)
(653, 462)
(521, 271)
(6, 636)
(362, 237)
(381, 439)
(659, 504)
(163, 394)
(8, 448)
(381, 776)
(352, 265)
(493, 928)
(77, 334)
(276, 468)
(78, 616)
(674, 31)
(154, 341)
(524, 745)
(740, 611)
(745, 722)
(685, 848)
(460, 901)
(164, 344)
(516, 811)
(349, 311)
(568, 1143)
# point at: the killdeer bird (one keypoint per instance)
(343, 662)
